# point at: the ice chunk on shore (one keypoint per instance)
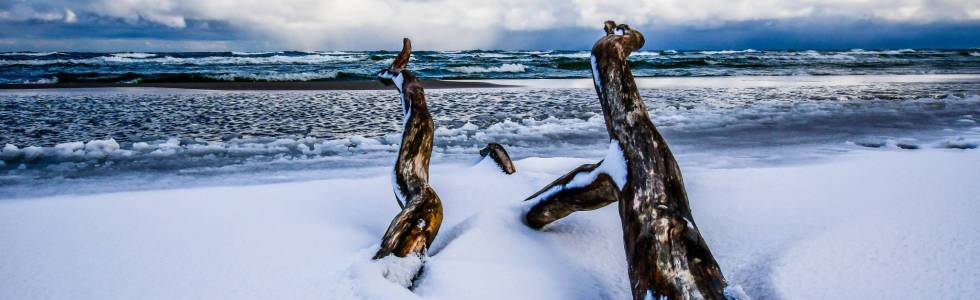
(69, 148)
(32, 153)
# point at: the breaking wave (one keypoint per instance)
(505, 68)
(134, 55)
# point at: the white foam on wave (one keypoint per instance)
(134, 55)
(493, 55)
(505, 68)
(645, 53)
(728, 52)
(251, 53)
(42, 81)
(874, 52)
(808, 54)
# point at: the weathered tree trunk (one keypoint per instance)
(664, 250)
(415, 227)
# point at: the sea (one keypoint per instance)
(64, 67)
(717, 109)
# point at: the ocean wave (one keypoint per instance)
(816, 56)
(51, 80)
(645, 53)
(505, 68)
(252, 53)
(331, 52)
(493, 55)
(728, 52)
(134, 55)
(29, 53)
(886, 52)
(480, 64)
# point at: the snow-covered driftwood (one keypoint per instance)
(666, 254)
(415, 227)
(499, 155)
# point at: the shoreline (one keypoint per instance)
(535, 83)
(256, 86)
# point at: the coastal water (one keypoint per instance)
(146, 137)
(709, 104)
(72, 67)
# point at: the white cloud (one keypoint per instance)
(448, 24)
(24, 12)
(70, 16)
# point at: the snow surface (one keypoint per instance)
(877, 224)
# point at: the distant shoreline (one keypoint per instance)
(256, 86)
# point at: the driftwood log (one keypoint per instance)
(666, 255)
(499, 155)
(415, 227)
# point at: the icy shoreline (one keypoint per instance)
(58, 141)
(866, 224)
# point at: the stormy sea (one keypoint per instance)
(808, 171)
(128, 67)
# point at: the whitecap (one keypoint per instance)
(505, 68)
(134, 55)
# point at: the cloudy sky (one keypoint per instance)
(216, 25)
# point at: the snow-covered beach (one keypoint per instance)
(870, 224)
(852, 187)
